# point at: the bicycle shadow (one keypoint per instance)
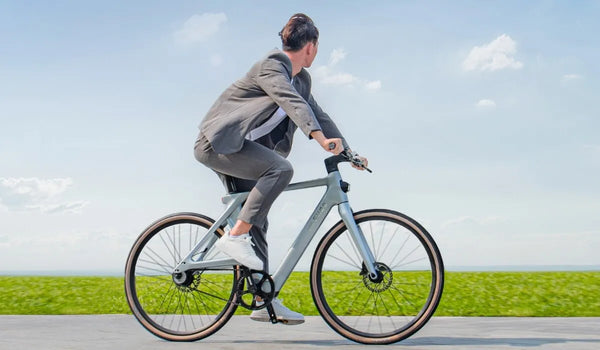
(433, 341)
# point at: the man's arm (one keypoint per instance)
(274, 80)
(328, 127)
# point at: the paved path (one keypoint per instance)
(123, 332)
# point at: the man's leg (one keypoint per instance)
(258, 233)
(267, 171)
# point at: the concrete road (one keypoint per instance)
(124, 332)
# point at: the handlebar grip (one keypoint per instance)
(331, 146)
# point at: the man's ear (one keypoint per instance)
(309, 47)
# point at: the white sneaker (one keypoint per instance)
(284, 315)
(240, 249)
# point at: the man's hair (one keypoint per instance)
(297, 32)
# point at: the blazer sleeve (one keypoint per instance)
(330, 130)
(273, 78)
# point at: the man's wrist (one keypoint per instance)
(318, 136)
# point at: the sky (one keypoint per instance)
(479, 119)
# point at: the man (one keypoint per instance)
(248, 132)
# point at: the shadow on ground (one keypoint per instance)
(471, 341)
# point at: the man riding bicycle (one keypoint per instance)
(248, 132)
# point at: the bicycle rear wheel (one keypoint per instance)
(392, 306)
(183, 307)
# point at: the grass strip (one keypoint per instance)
(548, 294)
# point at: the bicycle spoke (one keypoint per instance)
(348, 256)
(151, 269)
(363, 309)
(154, 262)
(158, 256)
(400, 250)
(372, 236)
(387, 310)
(343, 261)
(377, 256)
(167, 246)
(405, 298)
(409, 254)
(390, 241)
(407, 263)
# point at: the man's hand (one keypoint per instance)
(364, 161)
(325, 142)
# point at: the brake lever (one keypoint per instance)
(353, 158)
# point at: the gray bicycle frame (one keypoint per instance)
(334, 195)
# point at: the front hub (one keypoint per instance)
(382, 281)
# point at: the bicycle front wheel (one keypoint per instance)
(395, 304)
(182, 307)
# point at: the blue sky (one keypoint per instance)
(480, 119)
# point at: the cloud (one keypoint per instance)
(33, 194)
(336, 56)
(485, 103)
(69, 207)
(571, 77)
(493, 56)
(373, 85)
(328, 75)
(199, 28)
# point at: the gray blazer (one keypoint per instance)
(251, 100)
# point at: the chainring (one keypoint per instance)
(253, 284)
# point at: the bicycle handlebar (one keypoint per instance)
(345, 156)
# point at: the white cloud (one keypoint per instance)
(571, 77)
(336, 56)
(373, 85)
(199, 28)
(33, 194)
(69, 207)
(485, 103)
(495, 55)
(328, 75)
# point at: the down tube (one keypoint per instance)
(302, 241)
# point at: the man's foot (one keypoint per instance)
(284, 315)
(240, 249)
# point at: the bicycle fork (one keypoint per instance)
(358, 238)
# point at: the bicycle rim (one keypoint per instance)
(398, 302)
(178, 311)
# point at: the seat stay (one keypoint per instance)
(233, 202)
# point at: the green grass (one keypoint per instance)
(465, 294)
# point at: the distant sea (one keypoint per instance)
(498, 268)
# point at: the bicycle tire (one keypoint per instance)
(139, 277)
(329, 279)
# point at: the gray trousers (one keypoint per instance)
(257, 169)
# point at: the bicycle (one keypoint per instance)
(376, 276)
